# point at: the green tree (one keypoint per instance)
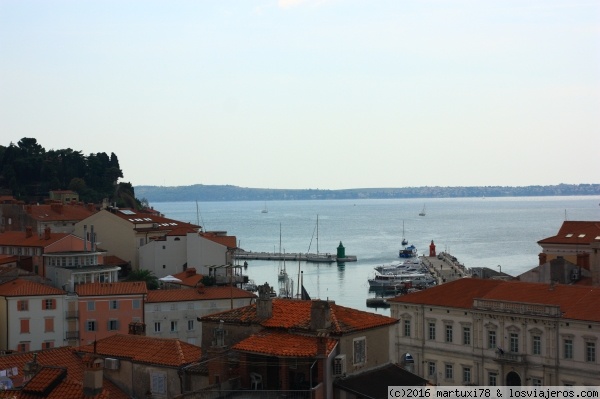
(144, 275)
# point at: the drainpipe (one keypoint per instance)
(310, 377)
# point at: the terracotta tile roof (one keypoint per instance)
(192, 294)
(575, 233)
(70, 387)
(113, 260)
(295, 314)
(181, 231)
(21, 287)
(279, 343)
(189, 277)
(144, 218)
(228, 241)
(45, 379)
(58, 212)
(19, 239)
(119, 288)
(575, 302)
(149, 350)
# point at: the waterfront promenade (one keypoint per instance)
(445, 267)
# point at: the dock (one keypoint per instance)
(445, 267)
(290, 256)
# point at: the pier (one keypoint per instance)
(289, 256)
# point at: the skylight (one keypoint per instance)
(126, 211)
(581, 235)
(569, 235)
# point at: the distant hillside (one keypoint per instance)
(200, 192)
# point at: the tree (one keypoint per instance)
(144, 275)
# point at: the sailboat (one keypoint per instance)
(404, 240)
(422, 213)
(323, 258)
(265, 210)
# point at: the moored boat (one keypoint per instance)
(408, 252)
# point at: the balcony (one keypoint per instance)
(507, 357)
(72, 314)
(72, 335)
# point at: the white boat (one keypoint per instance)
(399, 280)
(404, 240)
(422, 213)
(322, 258)
(265, 210)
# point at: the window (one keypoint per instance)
(536, 382)
(568, 349)
(136, 304)
(49, 324)
(448, 333)
(448, 372)
(491, 339)
(190, 325)
(432, 331)
(173, 326)
(173, 306)
(514, 342)
(113, 325)
(466, 335)
(492, 378)
(360, 350)
(590, 352)
(157, 326)
(158, 383)
(23, 347)
(48, 344)
(114, 305)
(90, 325)
(407, 328)
(23, 305)
(431, 367)
(219, 337)
(49, 304)
(91, 306)
(537, 345)
(24, 326)
(466, 375)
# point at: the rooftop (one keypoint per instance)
(575, 233)
(118, 288)
(21, 287)
(192, 294)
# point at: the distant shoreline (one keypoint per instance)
(200, 192)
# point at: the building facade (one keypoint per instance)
(493, 332)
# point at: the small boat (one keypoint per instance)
(404, 240)
(265, 210)
(408, 252)
(319, 257)
(422, 213)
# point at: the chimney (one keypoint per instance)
(28, 231)
(90, 207)
(47, 233)
(28, 208)
(264, 305)
(543, 258)
(320, 315)
(30, 368)
(189, 272)
(92, 375)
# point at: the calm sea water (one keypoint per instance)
(499, 233)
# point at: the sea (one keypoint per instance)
(498, 233)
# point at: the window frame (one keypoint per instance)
(359, 350)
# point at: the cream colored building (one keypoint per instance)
(32, 315)
(122, 232)
(174, 313)
(492, 332)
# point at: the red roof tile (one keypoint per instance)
(189, 278)
(19, 239)
(144, 218)
(44, 379)
(575, 302)
(58, 212)
(149, 350)
(228, 241)
(192, 294)
(295, 314)
(21, 287)
(279, 343)
(64, 357)
(575, 233)
(119, 288)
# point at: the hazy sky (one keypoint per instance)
(310, 93)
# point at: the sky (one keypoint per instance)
(310, 94)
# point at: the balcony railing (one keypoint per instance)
(507, 357)
(71, 335)
(72, 314)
